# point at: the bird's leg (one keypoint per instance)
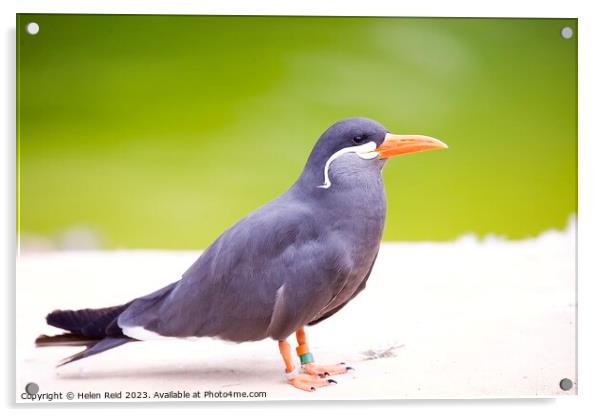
(307, 360)
(301, 381)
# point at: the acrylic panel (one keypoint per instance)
(239, 179)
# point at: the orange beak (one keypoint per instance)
(404, 144)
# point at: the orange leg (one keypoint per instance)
(301, 381)
(307, 360)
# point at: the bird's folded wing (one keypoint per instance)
(269, 273)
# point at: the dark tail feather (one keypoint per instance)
(65, 339)
(96, 329)
(98, 347)
(95, 323)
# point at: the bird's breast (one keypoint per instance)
(358, 225)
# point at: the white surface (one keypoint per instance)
(469, 318)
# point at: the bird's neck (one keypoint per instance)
(354, 206)
(348, 174)
(356, 188)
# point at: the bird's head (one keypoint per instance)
(359, 142)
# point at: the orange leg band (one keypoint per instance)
(303, 348)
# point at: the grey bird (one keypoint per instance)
(293, 262)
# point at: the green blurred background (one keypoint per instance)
(161, 131)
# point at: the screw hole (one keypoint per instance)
(566, 384)
(32, 388)
(32, 28)
(566, 32)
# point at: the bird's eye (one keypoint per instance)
(357, 139)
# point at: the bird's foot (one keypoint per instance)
(310, 382)
(326, 370)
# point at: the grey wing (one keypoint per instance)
(359, 289)
(269, 274)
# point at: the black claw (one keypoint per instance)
(313, 388)
(332, 381)
(349, 368)
(342, 363)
